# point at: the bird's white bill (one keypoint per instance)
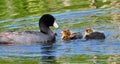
(55, 25)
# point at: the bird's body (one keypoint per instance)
(67, 35)
(45, 36)
(90, 34)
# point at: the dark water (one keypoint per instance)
(71, 52)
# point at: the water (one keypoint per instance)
(19, 15)
(24, 8)
(71, 52)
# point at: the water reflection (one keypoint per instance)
(71, 51)
(24, 8)
(48, 55)
(116, 15)
(66, 2)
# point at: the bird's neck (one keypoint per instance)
(85, 35)
(45, 29)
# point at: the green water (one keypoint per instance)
(77, 15)
(74, 59)
(25, 8)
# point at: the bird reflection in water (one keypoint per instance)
(48, 55)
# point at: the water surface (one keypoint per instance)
(71, 52)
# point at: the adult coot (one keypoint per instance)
(44, 37)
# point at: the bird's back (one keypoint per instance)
(96, 35)
(25, 38)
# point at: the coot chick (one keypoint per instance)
(91, 34)
(67, 35)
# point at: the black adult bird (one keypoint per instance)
(44, 37)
